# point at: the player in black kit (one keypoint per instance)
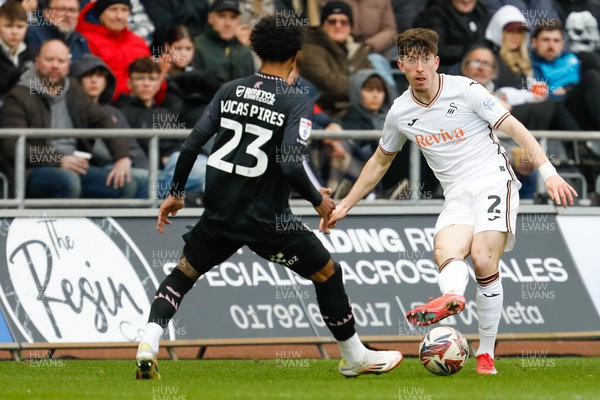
(261, 125)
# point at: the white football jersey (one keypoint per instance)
(454, 132)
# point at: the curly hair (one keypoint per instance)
(276, 39)
(418, 41)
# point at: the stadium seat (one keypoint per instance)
(578, 181)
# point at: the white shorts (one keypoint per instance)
(488, 207)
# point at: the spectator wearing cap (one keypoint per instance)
(139, 21)
(374, 24)
(111, 40)
(218, 48)
(59, 21)
(330, 56)
(509, 33)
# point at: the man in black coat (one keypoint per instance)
(460, 24)
(46, 98)
(167, 13)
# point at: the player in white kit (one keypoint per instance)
(451, 119)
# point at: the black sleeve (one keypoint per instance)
(161, 15)
(8, 79)
(199, 80)
(205, 128)
(297, 132)
(589, 61)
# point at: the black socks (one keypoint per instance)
(335, 305)
(168, 297)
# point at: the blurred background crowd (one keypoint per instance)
(156, 64)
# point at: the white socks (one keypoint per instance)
(152, 336)
(352, 349)
(454, 277)
(489, 311)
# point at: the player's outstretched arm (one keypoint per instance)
(169, 207)
(558, 190)
(369, 177)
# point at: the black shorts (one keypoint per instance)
(301, 251)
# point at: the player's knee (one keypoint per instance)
(323, 274)
(187, 269)
(333, 284)
(484, 263)
(441, 254)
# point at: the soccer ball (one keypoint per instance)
(444, 351)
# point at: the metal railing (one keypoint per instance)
(154, 135)
(4, 180)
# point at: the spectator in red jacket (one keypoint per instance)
(104, 25)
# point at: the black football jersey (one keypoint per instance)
(261, 125)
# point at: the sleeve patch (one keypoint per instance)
(305, 128)
(489, 103)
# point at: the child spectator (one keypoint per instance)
(98, 81)
(188, 90)
(142, 112)
(370, 99)
(15, 56)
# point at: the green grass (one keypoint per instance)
(551, 378)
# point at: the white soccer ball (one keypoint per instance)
(444, 351)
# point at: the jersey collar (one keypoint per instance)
(267, 76)
(437, 95)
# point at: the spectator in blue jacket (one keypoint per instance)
(564, 75)
(58, 22)
(576, 83)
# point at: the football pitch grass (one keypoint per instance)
(518, 378)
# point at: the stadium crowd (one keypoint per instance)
(157, 63)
